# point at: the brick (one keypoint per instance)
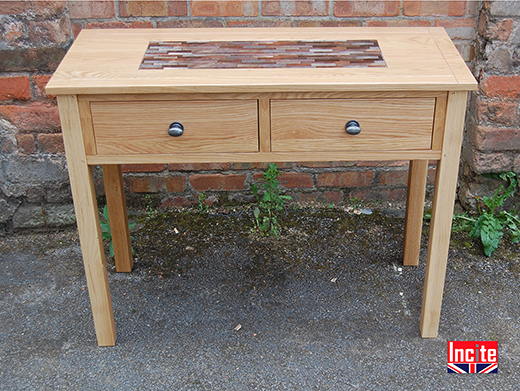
(143, 8)
(330, 23)
(458, 28)
(517, 165)
(399, 23)
(223, 8)
(325, 164)
(503, 8)
(375, 163)
(38, 7)
(328, 197)
(40, 59)
(501, 86)
(8, 143)
(482, 162)
(467, 51)
(91, 9)
(500, 30)
(345, 179)
(176, 184)
(366, 8)
(15, 88)
(217, 182)
(498, 112)
(380, 194)
(295, 8)
(177, 8)
(142, 167)
(261, 166)
(457, 8)
(147, 184)
(50, 31)
(36, 116)
(198, 166)
(26, 143)
(482, 23)
(500, 60)
(516, 54)
(472, 9)
(432, 175)
(119, 25)
(51, 143)
(13, 31)
(434, 8)
(260, 23)
(76, 29)
(189, 23)
(490, 139)
(296, 180)
(40, 81)
(179, 201)
(393, 178)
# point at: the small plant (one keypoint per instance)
(270, 203)
(202, 207)
(490, 224)
(355, 202)
(106, 232)
(150, 211)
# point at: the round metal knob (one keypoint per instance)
(176, 129)
(352, 127)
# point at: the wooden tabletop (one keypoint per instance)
(108, 62)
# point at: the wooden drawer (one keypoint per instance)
(389, 124)
(126, 128)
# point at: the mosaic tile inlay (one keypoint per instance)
(262, 54)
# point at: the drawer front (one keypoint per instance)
(391, 124)
(126, 128)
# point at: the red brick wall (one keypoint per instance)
(492, 142)
(36, 34)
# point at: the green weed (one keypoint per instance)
(491, 224)
(150, 211)
(270, 203)
(202, 207)
(106, 232)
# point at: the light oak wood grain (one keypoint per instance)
(87, 217)
(442, 214)
(264, 95)
(418, 59)
(439, 121)
(116, 203)
(123, 128)
(317, 156)
(319, 124)
(264, 125)
(87, 128)
(417, 175)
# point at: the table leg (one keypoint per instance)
(115, 193)
(417, 175)
(442, 214)
(87, 217)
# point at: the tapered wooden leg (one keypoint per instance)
(115, 193)
(442, 215)
(87, 217)
(417, 175)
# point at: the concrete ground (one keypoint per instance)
(237, 317)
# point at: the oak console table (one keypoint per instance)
(261, 95)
